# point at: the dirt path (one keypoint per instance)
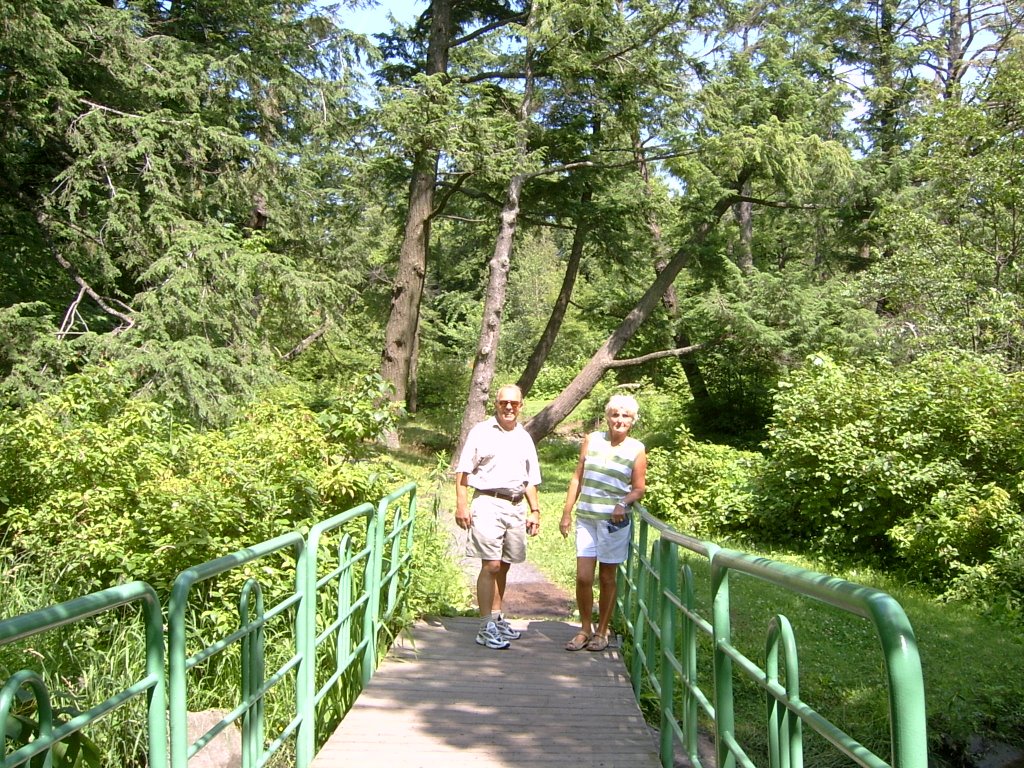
(529, 594)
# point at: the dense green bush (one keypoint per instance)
(918, 466)
(551, 380)
(122, 490)
(702, 489)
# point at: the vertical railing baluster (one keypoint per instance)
(667, 618)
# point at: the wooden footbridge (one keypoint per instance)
(439, 700)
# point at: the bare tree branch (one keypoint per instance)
(448, 191)
(70, 315)
(307, 342)
(659, 355)
(488, 27)
(127, 321)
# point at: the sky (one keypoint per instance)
(371, 20)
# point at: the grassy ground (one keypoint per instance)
(973, 666)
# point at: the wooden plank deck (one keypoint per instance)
(439, 699)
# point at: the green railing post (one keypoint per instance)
(178, 661)
(306, 746)
(253, 671)
(725, 726)
(785, 731)
(305, 640)
(401, 533)
(638, 609)
(669, 560)
(652, 614)
(690, 681)
(372, 587)
(908, 721)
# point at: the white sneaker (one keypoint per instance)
(490, 636)
(505, 629)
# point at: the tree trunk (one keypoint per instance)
(494, 303)
(497, 283)
(399, 334)
(403, 319)
(670, 301)
(540, 352)
(412, 395)
(544, 422)
(744, 213)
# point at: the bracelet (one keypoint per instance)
(537, 510)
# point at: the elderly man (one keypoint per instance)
(499, 463)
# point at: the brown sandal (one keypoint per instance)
(579, 641)
(598, 643)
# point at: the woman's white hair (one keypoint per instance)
(625, 403)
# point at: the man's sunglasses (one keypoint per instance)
(506, 403)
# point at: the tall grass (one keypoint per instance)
(81, 664)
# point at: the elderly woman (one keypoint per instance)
(610, 477)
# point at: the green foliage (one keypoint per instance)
(551, 380)
(759, 327)
(442, 386)
(919, 464)
(967, 542)
(152, 164)
(362, 412)
(946, 277)
(123, 490)
(702, 489)
(76, 751)
(438, 586)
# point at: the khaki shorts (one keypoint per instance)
(498, 531)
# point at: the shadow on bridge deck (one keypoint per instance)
(438, 699)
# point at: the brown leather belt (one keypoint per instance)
(515, 498)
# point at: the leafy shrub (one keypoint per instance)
(662, 410)
(442, 386)
(551, 380)
(118, 489)
(968, 541)
(908, 464)
(701, 489)
(363, 411)
(959, 528)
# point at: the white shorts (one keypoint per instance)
(601, 539)
(498, 531)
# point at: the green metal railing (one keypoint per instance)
(51, 735)
(657, 601)
(351, 593)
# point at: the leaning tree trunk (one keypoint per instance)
(403, 320)
(494, 302)
(540, 352)
(497, 283)
(670, 301)
(544, 422)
